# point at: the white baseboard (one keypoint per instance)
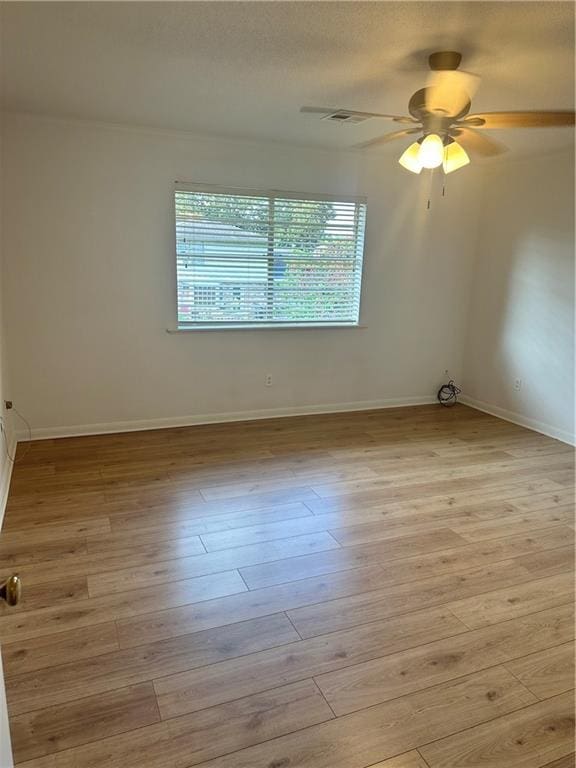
(77, 430)
(6, 476)
(139, 425)
(518, 418)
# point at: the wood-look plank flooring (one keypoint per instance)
(385, 589)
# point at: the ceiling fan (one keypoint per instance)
(440, 113)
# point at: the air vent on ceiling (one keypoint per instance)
(342, 116)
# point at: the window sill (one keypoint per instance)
(263, 327)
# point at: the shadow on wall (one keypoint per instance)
(521, 333)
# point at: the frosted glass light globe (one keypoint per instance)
(410, 158)
(431, 151)
(455, 157)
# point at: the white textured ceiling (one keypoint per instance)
(246, 68)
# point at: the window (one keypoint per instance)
(267, 258)
(205, 295)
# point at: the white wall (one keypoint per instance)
(90, 281)
(6, 760)
(521, 323)
(5, 472)
(7, 439)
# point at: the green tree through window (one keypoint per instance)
(268, 258)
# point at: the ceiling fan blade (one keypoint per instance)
(332, 111)
(387, 138)
(448, 92)
(478, 143)
(496, 120)
(319, 110)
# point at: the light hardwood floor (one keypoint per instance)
(386, 589)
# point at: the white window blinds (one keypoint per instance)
(267, 258)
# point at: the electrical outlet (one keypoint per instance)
(268, 380)
(8, 405)
(517, 385)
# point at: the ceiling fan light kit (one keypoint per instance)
(450, 155)
(440, 113)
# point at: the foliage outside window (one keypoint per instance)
(267, 258)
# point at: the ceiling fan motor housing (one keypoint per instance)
(444, 60)
(418, 109)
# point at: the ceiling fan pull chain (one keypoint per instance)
(430, 185)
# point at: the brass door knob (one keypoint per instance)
(11, 590)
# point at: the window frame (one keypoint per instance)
(227, 325)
